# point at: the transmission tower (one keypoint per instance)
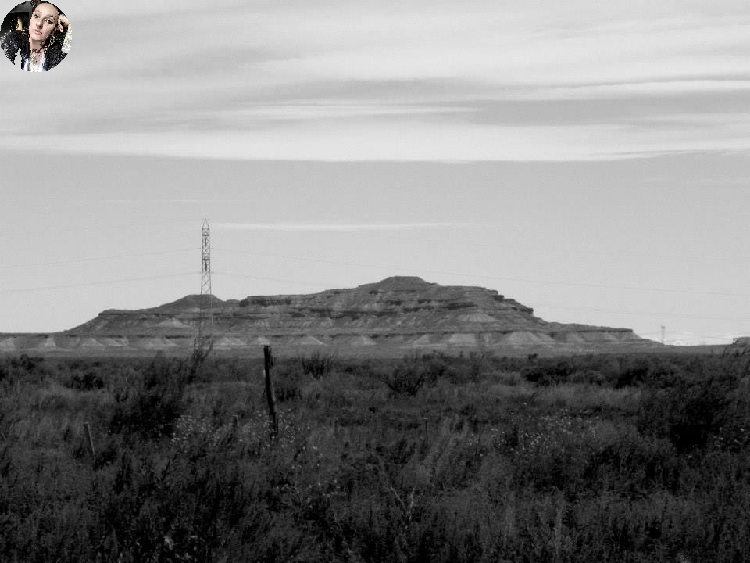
(206, 315)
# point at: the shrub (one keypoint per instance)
(736, 359)
(288, 384)
(688, 413)
(413, 372)
(89, 380)
(29, 364)
(588, 376)
(150, 407)
(318, 364)
(633, 464)
(550, 453)
(21, 366)
(549, 372)
(632, 374)
(464, 369)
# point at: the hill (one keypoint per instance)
(392, 316)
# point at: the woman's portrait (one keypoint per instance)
(37, 35)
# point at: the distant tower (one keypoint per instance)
(663, 334)
(206, 316)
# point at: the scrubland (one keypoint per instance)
(429, 458)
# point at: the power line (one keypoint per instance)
(77, 227)
(265, 278)
(545, 249)
(86, 284)
(536, 305)
(322, 285)
(687, 335)
(644, 313)
(379, 267)
(96, 259)
(498, 278)
(400, 238)
(366, 265)
(319, 285)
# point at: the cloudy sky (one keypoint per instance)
(590, 159)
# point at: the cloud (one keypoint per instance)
(506, 48)
(149, 201)
(638, 89)
(334, 227)
(396, 81)
(420, 141)
(328, 110)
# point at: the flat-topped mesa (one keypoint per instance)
(407, 300)
(399, 313)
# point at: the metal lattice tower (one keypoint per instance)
(206, 318)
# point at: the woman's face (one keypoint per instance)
(43, 22)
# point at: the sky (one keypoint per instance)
(588, 159)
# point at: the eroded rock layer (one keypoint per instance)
(395, 314)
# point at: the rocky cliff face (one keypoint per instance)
(394, 315)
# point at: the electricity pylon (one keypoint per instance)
(206, 314)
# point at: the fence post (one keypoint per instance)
(89, 438)
(270, 394)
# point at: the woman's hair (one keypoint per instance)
(59, 11)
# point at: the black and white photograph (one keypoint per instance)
(39, 34)
(364, 282)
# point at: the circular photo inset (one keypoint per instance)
(36, 35)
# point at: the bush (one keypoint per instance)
(413, 372)
(288, 385)
(588, 376)
(549, 372)
(318, 364)
(23, 366)
(89, 380)
(150, 407)
(465, 369)
(688, 413)
(633, 464)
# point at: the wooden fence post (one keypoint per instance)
(89, 438)
(270, 394)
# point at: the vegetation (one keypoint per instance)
(429, 458)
